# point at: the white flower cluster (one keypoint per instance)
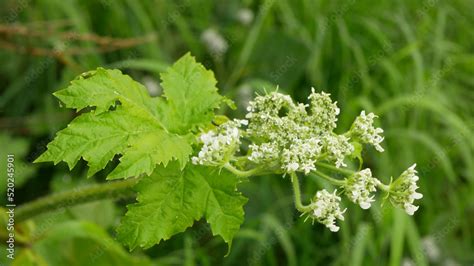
(359, 187)
(337, 148)
(326, 209)
(363, 129)
(301, 156)
(287, 137)
(220, 144)
(324, 111)
(403, 190)
(284, 132)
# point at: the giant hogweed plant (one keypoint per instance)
(186, 162)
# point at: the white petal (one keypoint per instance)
(416, 195)
(364, 205)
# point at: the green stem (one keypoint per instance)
(240, 173)
(330, 179)
(297, 192)
(109, 190)
(383, 187)
(334, 168)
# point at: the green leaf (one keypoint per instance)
(124, 120)
(98, 138)
(102, 89)
(191, 95)
(170, 200)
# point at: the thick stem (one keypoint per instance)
(297, 192)
(109, 190)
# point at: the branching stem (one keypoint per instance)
(109, 190)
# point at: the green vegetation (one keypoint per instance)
(409, 62)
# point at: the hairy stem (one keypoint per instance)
(109, 190)
(297, 192)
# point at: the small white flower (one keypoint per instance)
(263, 153)
(219, 144)
(337, 147)
(301, 155)
(359, 188)
(403, 190)
(291, 167)
(363, 129)
(324, 111)
(326, 209)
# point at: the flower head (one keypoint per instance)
(324, 111)
(337, 147)
(295, 135)
(403, 190)
(326, 209)
(363, 128)
(301, 155)
(219, 144)
(359, 186)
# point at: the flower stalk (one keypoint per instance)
(297, 193)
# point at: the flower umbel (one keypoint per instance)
(359, 187)
(286, 137)
(219, 144)
(326, 209)
(403, 190)
(337, 147)
(324, 111)
(363, 129)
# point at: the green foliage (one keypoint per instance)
(19, 148)
(125, 120)
(149, 131)
(170, 200)
(365, 53)
(191, 94)
(73, 238)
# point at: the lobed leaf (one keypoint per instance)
(170, 200)
(102, 88)
(191, 94)
(126, 121)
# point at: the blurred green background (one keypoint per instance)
(410, 62)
